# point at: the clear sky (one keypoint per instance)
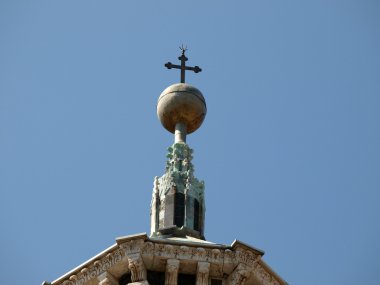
(289, 150)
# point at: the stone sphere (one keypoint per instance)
(181, 103)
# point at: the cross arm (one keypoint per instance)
(196, 68)
(169, 65)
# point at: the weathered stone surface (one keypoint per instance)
(240, 275)
(137, 267)
(172, 266)
(107, 279)
(203, 271)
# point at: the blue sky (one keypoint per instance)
(289, 149)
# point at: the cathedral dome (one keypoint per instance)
(181, 103)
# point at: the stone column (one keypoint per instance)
(202, 273)
(138, 270)
(169, 206)
(239, 275)
(155, 208)
(171, 275)
(107, 279)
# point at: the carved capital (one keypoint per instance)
(202, 273)
(137, 267)
(172, 266)
(132, 246)
(107, 279)
(239, 275)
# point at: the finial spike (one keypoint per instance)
(183, 49)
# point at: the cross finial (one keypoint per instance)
(183, 66)
(183, 49)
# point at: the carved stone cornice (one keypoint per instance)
(171, 273)
(170, 251)
(241, 256)
(94, 269)
(132, 246)
(214, 255)
(131, 254)
(203, 270)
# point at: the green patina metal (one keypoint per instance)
(179, 178)
(180, 173)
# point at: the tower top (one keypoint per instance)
(178, 206)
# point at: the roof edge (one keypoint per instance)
(81, 266)
(271, 271)
(189, 243)
(120, 240)
(237, 243)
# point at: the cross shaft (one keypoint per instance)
(183, 66)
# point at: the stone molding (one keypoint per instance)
(203, 270)
(134, 251)
(94, 269)
(171, 273)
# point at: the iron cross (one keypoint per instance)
(183, 66)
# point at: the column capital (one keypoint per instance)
(172, 266)
(203, 270)
(137, 267)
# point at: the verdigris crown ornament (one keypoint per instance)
(178, 207)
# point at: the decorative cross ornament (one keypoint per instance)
(183, 66)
